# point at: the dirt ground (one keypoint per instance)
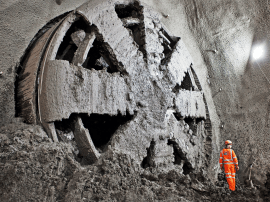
(33, 168)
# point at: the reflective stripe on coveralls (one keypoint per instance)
(229, 159)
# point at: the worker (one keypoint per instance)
(229, 160)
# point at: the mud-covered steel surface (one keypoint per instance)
(83, 49)
(71, 89)
(139, 80)
(20, 21)
(27, 84)
(190, 104)
(84, 142)
(59, 35)
(179, 57)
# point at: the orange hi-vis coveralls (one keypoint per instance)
(229, 159)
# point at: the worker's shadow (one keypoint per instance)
(221, 180)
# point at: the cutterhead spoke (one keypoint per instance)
(71, 89)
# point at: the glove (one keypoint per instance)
(237, 168)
